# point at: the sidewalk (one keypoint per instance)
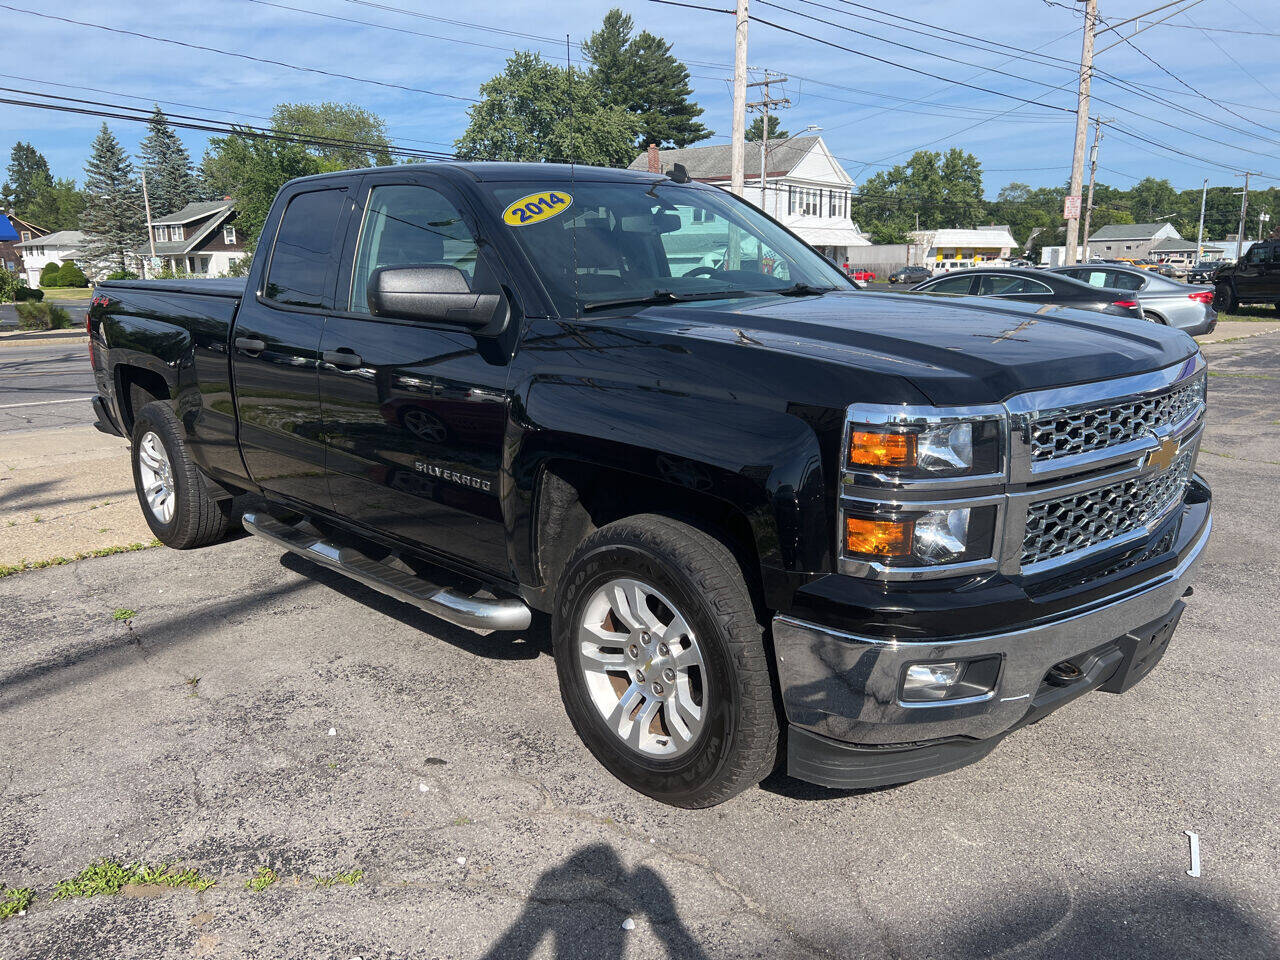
(1238, 329)
(64, 492)
(8, 335)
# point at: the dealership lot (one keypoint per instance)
(251, 710)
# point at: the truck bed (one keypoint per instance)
(232, 287)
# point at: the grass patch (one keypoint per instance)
(67, 293)
(461, 821)
(1243, 376)
(7, 570)
(1251, 315)
(107, 877)
(350, 878)
(264, 878)
(123, 613)
(15, 900)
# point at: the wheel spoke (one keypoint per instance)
(675, 630)
(147, 456)
(676, 722)
(638, 597)
(640, 725)
(621, 606)
(688, 656)
(595, 658)
(682, 703)
(623, 709)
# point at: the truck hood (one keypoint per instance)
(959, 350)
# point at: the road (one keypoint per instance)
(44, 384)
(255, 710)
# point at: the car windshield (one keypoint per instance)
(598, 244)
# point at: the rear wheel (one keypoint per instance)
(1224, 298)
(1154, 317)
(173, 494)
(662, 664)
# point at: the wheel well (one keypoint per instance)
(135, 388)
(575, 499)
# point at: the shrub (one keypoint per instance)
(69, 275)
(26, 293)
(42, 316)
(122, 275)
(49, 274)
(9, 285)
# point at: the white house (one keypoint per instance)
(806, 188)
(957, 249)
(55, 248)
(201, 239)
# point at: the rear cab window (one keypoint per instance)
(305, 254)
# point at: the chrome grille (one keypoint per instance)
(1068, 524)
(1096, 428)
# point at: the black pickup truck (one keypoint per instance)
(768, 515)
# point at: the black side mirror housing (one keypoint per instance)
(435, 294)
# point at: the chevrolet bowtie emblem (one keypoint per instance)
(1162, 456)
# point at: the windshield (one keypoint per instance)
(596, 242)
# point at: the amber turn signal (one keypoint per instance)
(868, 448)
(878, 538)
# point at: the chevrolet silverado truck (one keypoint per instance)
(768, 519)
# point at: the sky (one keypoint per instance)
(873, 112)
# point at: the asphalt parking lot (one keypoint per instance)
(250, 710)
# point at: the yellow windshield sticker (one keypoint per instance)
(537, 207)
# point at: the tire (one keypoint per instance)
(187, 517)
(1154, 318)
(719, 661)
(1224, 298)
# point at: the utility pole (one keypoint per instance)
(1093, 172)
(763, 106)
(1082, 130)
(1244, 210)
(146, 205)
(1204, 193)
(738, 149)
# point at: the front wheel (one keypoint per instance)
(173, 494)
(1224, 298)
(662, 664)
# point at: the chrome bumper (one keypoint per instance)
(846, 687)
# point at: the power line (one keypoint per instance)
(241, 56)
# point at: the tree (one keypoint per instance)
(28, 173)
(638, 74)
(757, 126)
(536, 111)
(251, 171)
(961, 175)
(336, 121)
(113, 219)
(57, 206)
(171, 180)
(70, 275)
(1150, 198)
(49, 274)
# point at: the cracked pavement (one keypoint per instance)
(1066, 842)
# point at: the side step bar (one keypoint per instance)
(447, 604)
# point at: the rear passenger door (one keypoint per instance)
(275, 344)
(1252, 272)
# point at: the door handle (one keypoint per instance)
(250, 345)
(345, 358)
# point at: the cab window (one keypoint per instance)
(304, 257)
(958, 284)
(1005, 285)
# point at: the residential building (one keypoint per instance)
(806, 188)
(13, 231)
(1182, 253)
(201, 239)
(54, 248)
(958, 249)
(1129, 241)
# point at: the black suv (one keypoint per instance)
(1254, 278)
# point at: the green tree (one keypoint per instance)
(113, 219)
(28, 174)
(49, 274)
(535, 111)
(961, 175)
(640, 75)
(57, 206)
(755, 130)
(251, 171)
(171, 180)
(70, 275)
(1150, 198)
(336, 121)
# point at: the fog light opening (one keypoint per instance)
(930, 681)
(950, 680)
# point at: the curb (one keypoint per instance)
(17, 336)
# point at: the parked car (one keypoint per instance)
(1035, 286)
(1203, 271)
(1255, 278)
(1022, 264)
(910, 275)
(861, 274)
(1189, 308)
(1170, 270)
(483, 390)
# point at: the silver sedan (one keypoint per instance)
(1189, 307)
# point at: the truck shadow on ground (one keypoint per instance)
(582, 902)
(507, 645)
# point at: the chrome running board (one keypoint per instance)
(471, 612)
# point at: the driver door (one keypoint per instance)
(413, 415)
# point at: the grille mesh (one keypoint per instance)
(1058, 527)
(1096, 428)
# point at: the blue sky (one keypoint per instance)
(850, 97)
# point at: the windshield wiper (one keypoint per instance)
(664, 296)
(802, 290)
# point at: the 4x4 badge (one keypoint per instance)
(1162, 456)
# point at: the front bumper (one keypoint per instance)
(841, 690)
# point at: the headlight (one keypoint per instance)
(902, 538)
(925, 450)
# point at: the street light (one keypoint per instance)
(764, 169)
(1262, 218)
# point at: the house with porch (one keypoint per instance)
(200, 240)
(805, 187)
(56, 248)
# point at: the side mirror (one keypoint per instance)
(435, 294)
